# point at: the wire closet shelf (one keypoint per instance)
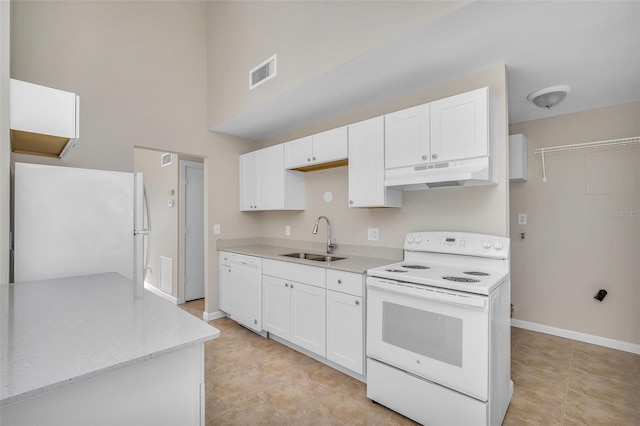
(577, 146)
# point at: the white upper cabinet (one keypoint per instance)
(43, 121)
(448, 129)
(266, 185)
(322, 148)
(460, 126)
(366, 167)
(407, 137)
(518, 157)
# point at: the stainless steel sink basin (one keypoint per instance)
(314, 256)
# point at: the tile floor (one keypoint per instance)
(251, 380)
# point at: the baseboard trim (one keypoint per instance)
(575, 335)
(210, 316)
(155, 290)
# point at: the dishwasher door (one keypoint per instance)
(245, 304)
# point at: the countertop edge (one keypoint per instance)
(34, 392)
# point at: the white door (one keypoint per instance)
(277, 306)
(224, 281)
(459, 126)
(298, 153)
(308, 327)
(345, 337)
(270, 178)
(247, 181)
(330, 145)
(192, 225)
(70, 221)
(406, 136)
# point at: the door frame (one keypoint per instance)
(182, 218)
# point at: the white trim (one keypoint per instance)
(155, 290)
(182, 216)
(575, 335)
(210, 316)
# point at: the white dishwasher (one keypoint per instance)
(243, 283)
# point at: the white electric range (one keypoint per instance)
(438, 330)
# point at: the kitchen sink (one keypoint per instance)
(314, 256)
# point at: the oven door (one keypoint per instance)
(440, 335)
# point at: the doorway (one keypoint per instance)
(191, 231)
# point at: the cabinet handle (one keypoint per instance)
(424, 157)
(291, 285)
(286, 284)
(339, 281)
(314, 158)
(350, 201)
(357, 302)
(255, 321)
(308, 159)
(434, 156)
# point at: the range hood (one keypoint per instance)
(43, 121)
(468, 172)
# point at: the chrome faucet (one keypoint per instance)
(330, 246)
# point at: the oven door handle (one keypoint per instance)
(429, 293)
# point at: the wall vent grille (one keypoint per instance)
(166, 159)
(263, 72)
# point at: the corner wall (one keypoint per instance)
(583, 231)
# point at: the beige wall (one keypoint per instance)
(158, 181)
(140, 69)
(309, 37)
(474, 209)
(583, 231)
(5, 211)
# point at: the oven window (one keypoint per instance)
(426, 333)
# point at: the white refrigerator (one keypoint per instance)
(71, 221)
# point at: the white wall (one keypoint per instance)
(583, 231)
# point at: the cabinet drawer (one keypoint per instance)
(344, 282)
(295, 272)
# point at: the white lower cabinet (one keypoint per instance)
(308, 320)
(225, 282)
(295, 312)
(345, 337)
(324, 315)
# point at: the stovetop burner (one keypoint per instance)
(477, 274)
(395, 270)
(461, 279)
(415, 266)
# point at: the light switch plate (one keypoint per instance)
(522, 218)
(287, 231)
(372, 234)
(216, 229)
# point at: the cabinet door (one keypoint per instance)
(345, 335)
(270, 185)
(277, 306)
(407, 137)
(298, 153)
(246, 296)
(459, 126)
(247, 181)
(366, 167)
(224, 281)
(330, 145)
(308, 327)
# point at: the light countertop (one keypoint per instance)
(56, 332)
(351, 263)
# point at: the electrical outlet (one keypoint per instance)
(216, 229)
(522, 218)
(372, 234)
(287, 231)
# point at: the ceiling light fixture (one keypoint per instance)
(551, 96)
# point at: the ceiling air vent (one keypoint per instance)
(263, 72)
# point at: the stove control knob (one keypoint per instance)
(497, 245)
(486, 244)
(418, 239)
(410, 240)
